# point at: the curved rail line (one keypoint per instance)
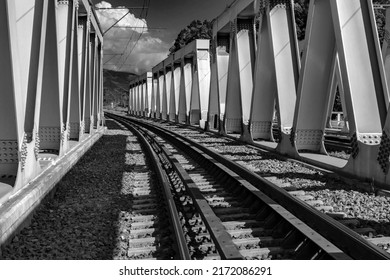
(351, 243)
(149, 235)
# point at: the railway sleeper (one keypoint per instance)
(143, 206)
(209, 188)
(143, 193)
(231, 210)
(148, 232)
(236, 216)
(141, 218)
(151, 253)
(215, 198)
(260, 242)
(264, 253)
(249, 232)
(148, 211)
(145, 224)
(233, 225)
(223, 204)
(149, 241)
(270, 220)
(144, 200)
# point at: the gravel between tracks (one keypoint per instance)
(370, 210)
(89, 215)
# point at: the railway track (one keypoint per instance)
(251, 224)
(155, 230)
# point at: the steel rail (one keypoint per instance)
(162, 178)
(323, 249)
(349, 241)
(219, 235)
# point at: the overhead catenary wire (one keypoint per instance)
(128, 42)
(113, 55)
(136, 42)
(126, 54)
(121, 54)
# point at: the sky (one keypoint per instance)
(143, 37)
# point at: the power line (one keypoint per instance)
(132, 34)
(116, 22)
(146, 15)
(109, 59)
(128, 42)
(131, 49)
(119, 8)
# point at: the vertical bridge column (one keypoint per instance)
(185, 89)
(154, 94)
(74, 119)
(276, 74)
(347, 28)
(314, 87)
(130, 110)
(235, 104)
(43, 75)
(265, 88)
(202, 79)
(82, 55)
(166, 93)
(177, 79)
(218, 79)
(96, 92)
(65, 16)
(366, 100)
(51, 130)
(143, 96)
(148, 94)
(87, 94)
(171, 109)
(233, 108)
(138, 98)
(244, 40)
(12, 97)
(92, 74)
(161, 85)
(157, 89)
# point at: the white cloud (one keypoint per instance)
(108, 17)
(137, 51)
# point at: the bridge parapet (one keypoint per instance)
(140, 90)
(257, 82)
(181, 83)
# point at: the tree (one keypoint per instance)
(301, 8)
(380, 16)
(195, 30)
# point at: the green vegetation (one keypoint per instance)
(195, 30)
(116, 87)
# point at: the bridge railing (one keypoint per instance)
(258, 71)
(50, 82)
